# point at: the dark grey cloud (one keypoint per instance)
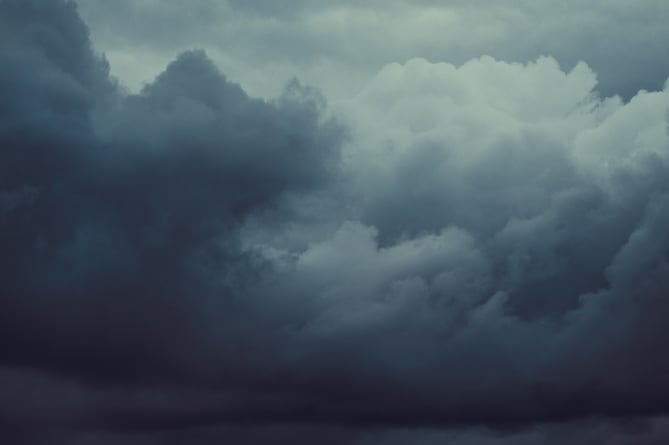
(115, 207)
(460, 254)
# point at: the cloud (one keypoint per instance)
(338, 45)
(458, 246)
(117, 209)
(500, 259)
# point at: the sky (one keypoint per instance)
(344, 223)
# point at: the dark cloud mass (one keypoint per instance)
(114, 205)
(458, 254)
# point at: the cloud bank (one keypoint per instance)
(457, 247)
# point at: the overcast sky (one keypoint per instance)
(403, 222)
(338, 45)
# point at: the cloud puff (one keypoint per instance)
(501, 256)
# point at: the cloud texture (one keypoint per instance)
(338, 45)
(462, 253)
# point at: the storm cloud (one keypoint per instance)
(114, 205)
(467, 251)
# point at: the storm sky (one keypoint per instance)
(344, 223)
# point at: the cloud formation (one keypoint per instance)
(116, 208)
(469, 251)
(338, 45)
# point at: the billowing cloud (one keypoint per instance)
(459, 253)
(116, 208)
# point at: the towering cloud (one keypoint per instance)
(476, 253)
(119, 212)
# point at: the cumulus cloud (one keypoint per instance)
(114, 206)
(457, 246)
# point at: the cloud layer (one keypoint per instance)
(455, 247)
(338, 45)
